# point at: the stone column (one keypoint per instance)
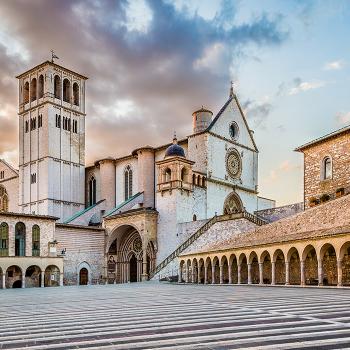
(320, 273)
(144, 276)
(187, 275)
(199, 275)
(180, 275)
(221, 274)
(193, 275)
(239, 279)
(205, 274)
(230, 274)
(249, 273)
(212, 274)
(302, 272)
(273, 272)
(340, 273)
(287, 272)
(42, 284)
(3, 276)
(23, 280)
(61, 279)
(261, 276)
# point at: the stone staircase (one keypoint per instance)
(241, 215)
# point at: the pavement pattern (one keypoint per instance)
(152, 315)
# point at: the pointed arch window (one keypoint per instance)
(92, 191)
(127, 182)
(36, 240)
(4, 202)
(4, 239)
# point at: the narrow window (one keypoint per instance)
(20, 239)
(57, 87)
(26, 93)
(66, 90)
(33, 90)
(92, 191)
(127, 182)
(35, 240)
(4, 239)
(327, 168)
(27, 126)
(41, 86)
(76, 94)
(167, 175)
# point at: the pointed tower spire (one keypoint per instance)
(231, 90)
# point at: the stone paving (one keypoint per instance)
(164, 316)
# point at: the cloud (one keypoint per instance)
(335, 65)
(343, 118)
(281, 170)
(147, 75)
(303, 86)
(257, 112)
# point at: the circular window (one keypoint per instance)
(234, 130)
(233, 163)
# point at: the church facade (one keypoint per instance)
(117, 219)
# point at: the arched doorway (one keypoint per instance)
(52, 276)
(125, 249)
(33, 276)
(13, 277)
(83, 276)
(133, 269)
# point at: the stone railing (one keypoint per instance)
(234, 216)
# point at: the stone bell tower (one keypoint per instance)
(51, 141)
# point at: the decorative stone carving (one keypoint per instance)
(233, 163)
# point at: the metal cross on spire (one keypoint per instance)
(231, 89)
(53, 56)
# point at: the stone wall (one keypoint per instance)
(274, 214)
(338, 149)
(84, 246)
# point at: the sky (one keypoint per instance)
(151, 63)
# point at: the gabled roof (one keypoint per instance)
(9, 166)
(222, 110)
(335, 133)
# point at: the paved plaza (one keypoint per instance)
(164, 316)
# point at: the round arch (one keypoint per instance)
(81, 278)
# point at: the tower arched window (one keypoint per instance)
(326, 168)
(20, 239)
(4, 239)
(33, 89)
(41, 86)
(4, 202)
(184, 174)
(127, 182)
(57, 87)
(66, 90)
(26, 93)
(167, 175)
(76, 94)
(36, 240)
(92, 191)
